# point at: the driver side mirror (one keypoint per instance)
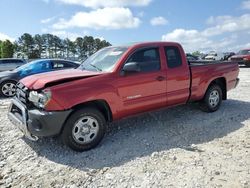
(131, 67)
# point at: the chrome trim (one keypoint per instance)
(21, 124)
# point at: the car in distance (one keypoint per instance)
(242, 57)
(227, 55)
(8, 79)
(214, 56)
(191, 57)
(114, 83)
(10, 64)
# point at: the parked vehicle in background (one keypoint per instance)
(227, 55)
(191, 57)
(10, 64)
(242, 57)
(8, 79)
(114, 83)
(212, 56)
(202, 56)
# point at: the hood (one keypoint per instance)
(6, 73)
(40, 81)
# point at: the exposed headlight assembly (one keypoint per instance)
(40, 99)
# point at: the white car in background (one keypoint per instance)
(214, 56)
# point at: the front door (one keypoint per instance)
(144, 90)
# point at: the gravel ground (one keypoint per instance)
(179, 147)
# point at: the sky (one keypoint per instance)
(221, 25)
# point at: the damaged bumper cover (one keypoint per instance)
(36, 123)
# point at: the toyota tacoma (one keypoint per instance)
(116, 82)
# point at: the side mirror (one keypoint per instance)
(131, 67)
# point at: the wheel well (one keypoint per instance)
(101, 105)
(7, 80)
(222, 83)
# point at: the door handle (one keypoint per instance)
(160, 78)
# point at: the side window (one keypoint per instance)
(173, 56)
(68, 65)
(42, 67)
(5, 61)
(58, 65)
(148, 59)
(19, 62)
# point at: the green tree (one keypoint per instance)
(196, 53)
(39, 45)
(80, 48)
(69, 48)
(52, 46)
(7, 49)
(27, 45)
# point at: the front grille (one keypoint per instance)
(22, 93)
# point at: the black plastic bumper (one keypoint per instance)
(36, 123)
(44, 124)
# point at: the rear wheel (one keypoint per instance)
(212, 99)
(84, 129)
(8, 88)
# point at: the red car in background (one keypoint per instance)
(242, 57)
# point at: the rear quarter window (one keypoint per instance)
(173, 56)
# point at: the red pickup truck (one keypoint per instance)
(242, 57)
(114, 83)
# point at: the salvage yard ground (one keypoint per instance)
(180, 147)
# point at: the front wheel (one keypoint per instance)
(8, 88)
(212, 99)
(84, 129)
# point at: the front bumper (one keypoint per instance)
(36, 123)
(242, 62)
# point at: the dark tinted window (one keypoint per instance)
(69, 65)
(173, 56)
(8, 61)
(148, 59)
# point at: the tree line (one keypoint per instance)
(51, 46)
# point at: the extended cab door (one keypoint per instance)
(178, 75)
(144, 90)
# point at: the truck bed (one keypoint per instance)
(203, 71)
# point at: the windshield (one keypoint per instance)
(28, 66)
(104, 60)
(244, 52)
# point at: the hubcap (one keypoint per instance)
(214, 98)
(85, 130)
(9, 89)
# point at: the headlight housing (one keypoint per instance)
(245, 59)
(41, 99)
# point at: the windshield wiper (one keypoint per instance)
(97, 68)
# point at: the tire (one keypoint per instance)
(212, 100)
(84, 129)
(3, 87)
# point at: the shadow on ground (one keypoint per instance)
(140, 136)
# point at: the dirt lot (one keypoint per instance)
(180, 147)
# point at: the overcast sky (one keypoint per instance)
(222, 25)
